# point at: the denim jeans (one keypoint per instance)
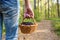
(9, 14)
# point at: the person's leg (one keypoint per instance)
(1, 18)
(10, 14)
(11, 24)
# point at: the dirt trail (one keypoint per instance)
(44, 32)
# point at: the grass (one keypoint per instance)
(56, 25)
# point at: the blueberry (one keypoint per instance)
(27, 23)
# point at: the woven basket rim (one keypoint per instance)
(29, 25)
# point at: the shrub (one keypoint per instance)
(56, 25)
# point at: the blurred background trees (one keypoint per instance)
(44, 10)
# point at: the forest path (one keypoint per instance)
(43, 32)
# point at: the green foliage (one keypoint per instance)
(37, 15)
(54, 11)
(21, 16)
(56, 25)
(3, 29)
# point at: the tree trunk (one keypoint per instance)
(41, 6)
(45, 8)
(34, 4)
(48, 8)
(38, 6)
(58, 8)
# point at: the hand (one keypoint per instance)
(28, 13)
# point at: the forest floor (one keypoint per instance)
(43, 32)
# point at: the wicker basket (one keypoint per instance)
(27, 29)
